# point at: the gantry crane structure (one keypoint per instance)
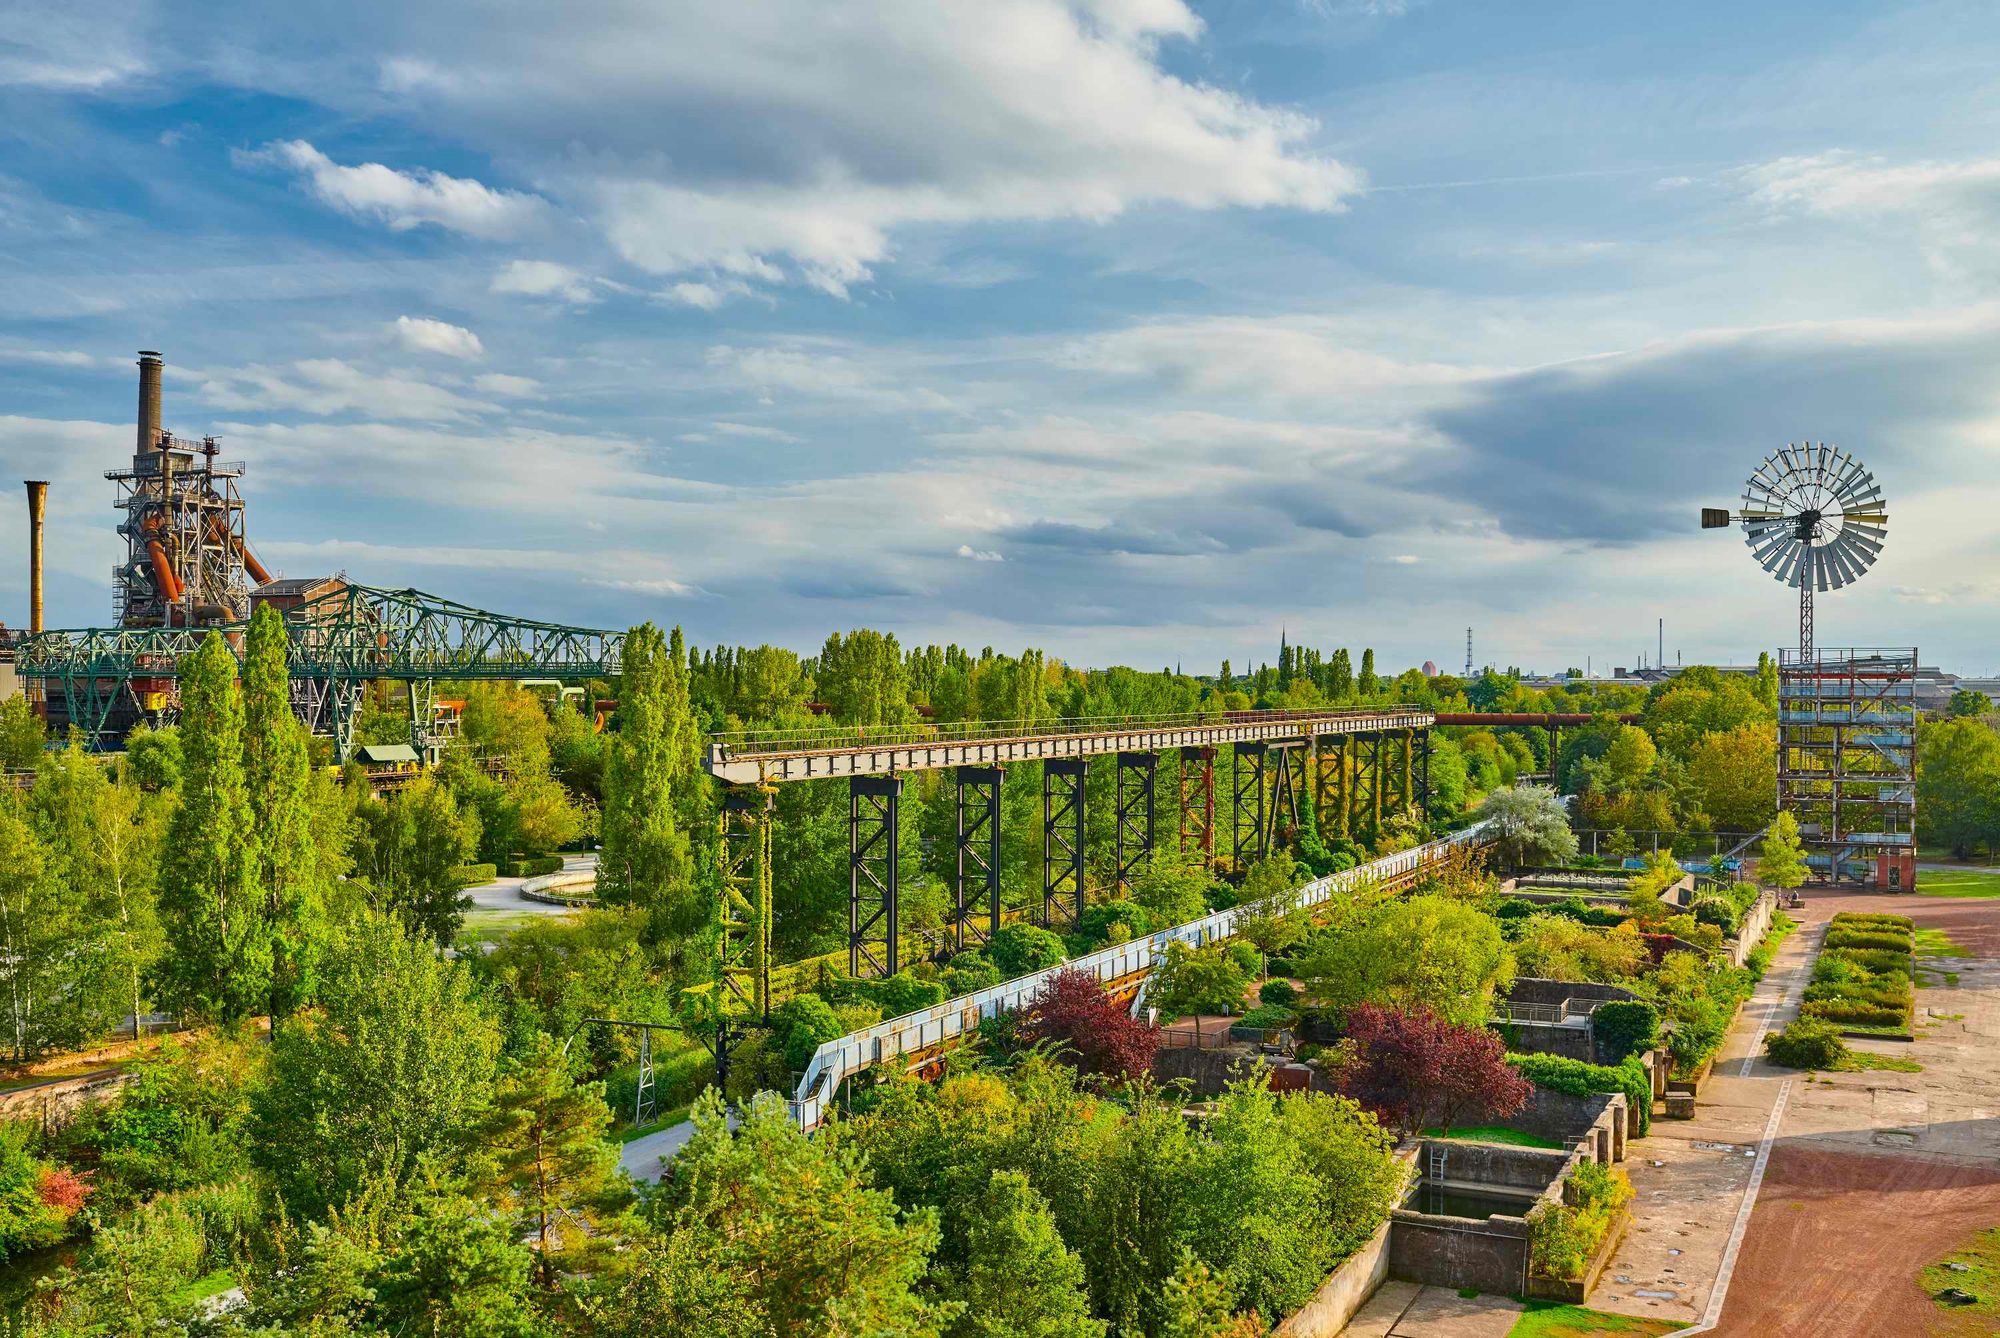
(339, 641)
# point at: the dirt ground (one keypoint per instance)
(1838, 1237)
(1874, 1175)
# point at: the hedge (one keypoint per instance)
(1806, 1044)
(1858, 938)
(1576, 1078)
(532, 866)
(1564, 1236)
(1267, 1016)
(472, 875)
(1624, 1027)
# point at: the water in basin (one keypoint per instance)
(1476, 1202)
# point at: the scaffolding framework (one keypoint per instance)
(1062, 841)
(1847, 760)
(976, 880)
(874, 869)
(745, 941)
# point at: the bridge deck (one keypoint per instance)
(820, 754)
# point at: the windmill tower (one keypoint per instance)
(1815, 519)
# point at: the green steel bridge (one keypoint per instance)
(110, 677)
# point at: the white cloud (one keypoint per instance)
(979, 554)
(1406, 559)
(512, 387)
(326, 386)
(1839, 182)
(702, 296)
(811, 373)
(543, 278)
(792, 140)
(753, 432)
(421, 334)
(402, 200)
(69, 48)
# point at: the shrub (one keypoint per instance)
(1197, 980)
(1020, 950)
(1267, 1017)
(799, 1026)
(1246, 957)
(1624, 1027)
(1718, 912)
(905, 993)
(1868, 959)
(1562, 1237)
(1094, 1032)
(1117, 921)
(969, 972)
(1281, 966)
(1859, 938)
(1282, 993)
(1854, 1014)
(471, 875)
(1806, 1044)
(1576, 1078)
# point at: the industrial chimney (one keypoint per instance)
(38, 502)
(149, 400)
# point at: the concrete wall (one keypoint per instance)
(1345, 1291)
(1567, 1119)
(1446, 1252)
(1537, 990)
(1209, 1069)
(1496, 1164)
(1570, 1040)
(1756, 923)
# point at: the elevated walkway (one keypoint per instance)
(916, 1039)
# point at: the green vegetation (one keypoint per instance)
(1807, 1043)
(1564, 1237)
(1549, 1319)
(1862, 981)
(1977, 1276)
(1958, 883)
(1494, 1134)
(1577, 1078)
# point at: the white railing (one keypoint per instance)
(838, 1060)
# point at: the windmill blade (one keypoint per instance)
(1866, 547)
(1843, 569)
(1858, 558)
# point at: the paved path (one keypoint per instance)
(504, 894)
(1406, 1310)
(1690, 1177)
(646, 1158)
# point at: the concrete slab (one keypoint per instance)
(1440, 1313)
(1377, 1319)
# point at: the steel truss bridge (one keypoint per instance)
(1355, 764)
(338, 642)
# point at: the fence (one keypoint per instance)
(838, 1060)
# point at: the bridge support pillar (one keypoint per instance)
(1555, 756)
(1349, 772)
(1427, 775)
(1248, 830)
(1287, 781)
(423, 707)
(976, 886)
(746, 899)
(1198, 802)
(1408, 795)
(1062, 841)
(1375, 786)
(874, 804)
(1136, 812)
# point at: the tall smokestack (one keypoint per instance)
(38, 504)
(149, 400)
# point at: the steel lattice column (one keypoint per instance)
(1135, 828)
(1247, 830)
(423, 706)
(1427, 775)
(746, 898)
(1287, 781)
(873, 807)
(1348, 776)
(1198, 817)
(1062, 840)
(1409, 793)
(1375, 786)
(978, 874)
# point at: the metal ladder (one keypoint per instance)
(1437, 1155)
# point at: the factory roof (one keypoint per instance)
(380, 753)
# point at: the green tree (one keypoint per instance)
(1530, 827)
(39, 938)
(1192, 981)
(1965, 702)
(646, 860)
(417, 842)
(1424, 951)
(388, 1069)
(1022, 1279)
(1735, 774)
(861, 677)
(103, 839)
(1781, 860)
(548, 1160)
(1171, 888)
(153, 759)
(277, 772)
(22, 734)
(1958, 785)
(1630, 758)
(1365, 682)
(218, 959)
(820, 1250)
(453, 1269)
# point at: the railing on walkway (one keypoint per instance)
(838, 1060)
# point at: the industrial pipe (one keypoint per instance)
(38, 504)
(163, 572)
(221, 532)
(150, 364)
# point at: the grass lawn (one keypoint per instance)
(1937, 943)
(1549, 1319)
(1981, 1256)
(1491, 1134)
(1958, 883)
(1863, 1061)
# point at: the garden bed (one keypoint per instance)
(1862, 981)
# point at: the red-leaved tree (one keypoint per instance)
(1090, 1029)
(1417, 1071)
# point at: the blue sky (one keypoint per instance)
(1132, 329)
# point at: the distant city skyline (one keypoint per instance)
(1128, 329)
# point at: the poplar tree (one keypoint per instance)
(646, 860)
(218, 961)
(1367, 682)
(1341, 680)
(277, 771)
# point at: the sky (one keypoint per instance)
(1140, 331)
